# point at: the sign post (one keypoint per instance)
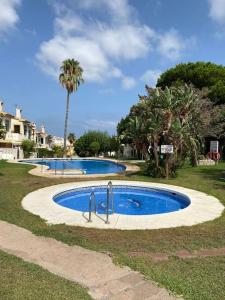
(214, 151)
(167, 149)
(214, 146)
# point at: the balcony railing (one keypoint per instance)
(15, 137)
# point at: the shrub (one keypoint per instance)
(43, 152)
(82, 145)
(57, 151)
(28, 147)
(94, 147)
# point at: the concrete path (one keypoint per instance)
(90, 269)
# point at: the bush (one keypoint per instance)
(151, 169)
(28, 147)
(82, 145)
(94, 147)
(43, 152)
(58, 151)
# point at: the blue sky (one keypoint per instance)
(121, 45)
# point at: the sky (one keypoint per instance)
(122, 45)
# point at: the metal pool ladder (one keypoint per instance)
(92, 205)
(109, 196)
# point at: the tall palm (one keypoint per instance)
(70, 78)
(71, 138)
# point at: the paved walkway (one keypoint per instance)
(93, 270)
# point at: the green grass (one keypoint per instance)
(15, 183)
(194, 279)
(20, 280)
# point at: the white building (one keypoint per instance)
(17, 130)
(58, 141)
(42, 138)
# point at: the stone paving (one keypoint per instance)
(91, 269)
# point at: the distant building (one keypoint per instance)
(17, 130)
(42, 139)
(58, 141)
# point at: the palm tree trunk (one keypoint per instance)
(66, 122)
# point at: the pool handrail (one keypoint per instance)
(92, 205)
(109, 193)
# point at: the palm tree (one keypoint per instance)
(71, 138)
(70, 78)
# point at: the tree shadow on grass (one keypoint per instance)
(216, 176)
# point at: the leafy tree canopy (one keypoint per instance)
(2, 130)
(28, 147)
(201, 74)
(94, 147)
(82, 145)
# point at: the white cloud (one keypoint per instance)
(99, 125)
(97, 44)
(119, 10)
(8, 14)
(102, 43)
(217, 10)
(150, 77)
(171, 44)
(128, 82)
(90, 55)
(126, 42)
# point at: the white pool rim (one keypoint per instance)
(203, 207)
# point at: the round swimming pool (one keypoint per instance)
(125, 200)
(87, 166)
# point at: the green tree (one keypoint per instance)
(82, 145)
(168, 116)
(28, 147)
(43, 152)
(70, 78)
(136, 132)
(94, 148)
(114, 144)
(201, 74)
(58, 151)
(2, 131)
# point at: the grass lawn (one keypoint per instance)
(194, 278)
(20, 280)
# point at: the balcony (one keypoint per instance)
(14, 137)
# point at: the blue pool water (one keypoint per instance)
(128, 200)
(88, 166)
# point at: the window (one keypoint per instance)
(25, 130)
(7, 125)
(16, 128)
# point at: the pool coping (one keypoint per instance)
(203, 208)
(43, 171)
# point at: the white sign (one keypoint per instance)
(214, 146)
(166, 148)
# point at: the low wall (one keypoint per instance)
(11, 153)
(206, 162)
